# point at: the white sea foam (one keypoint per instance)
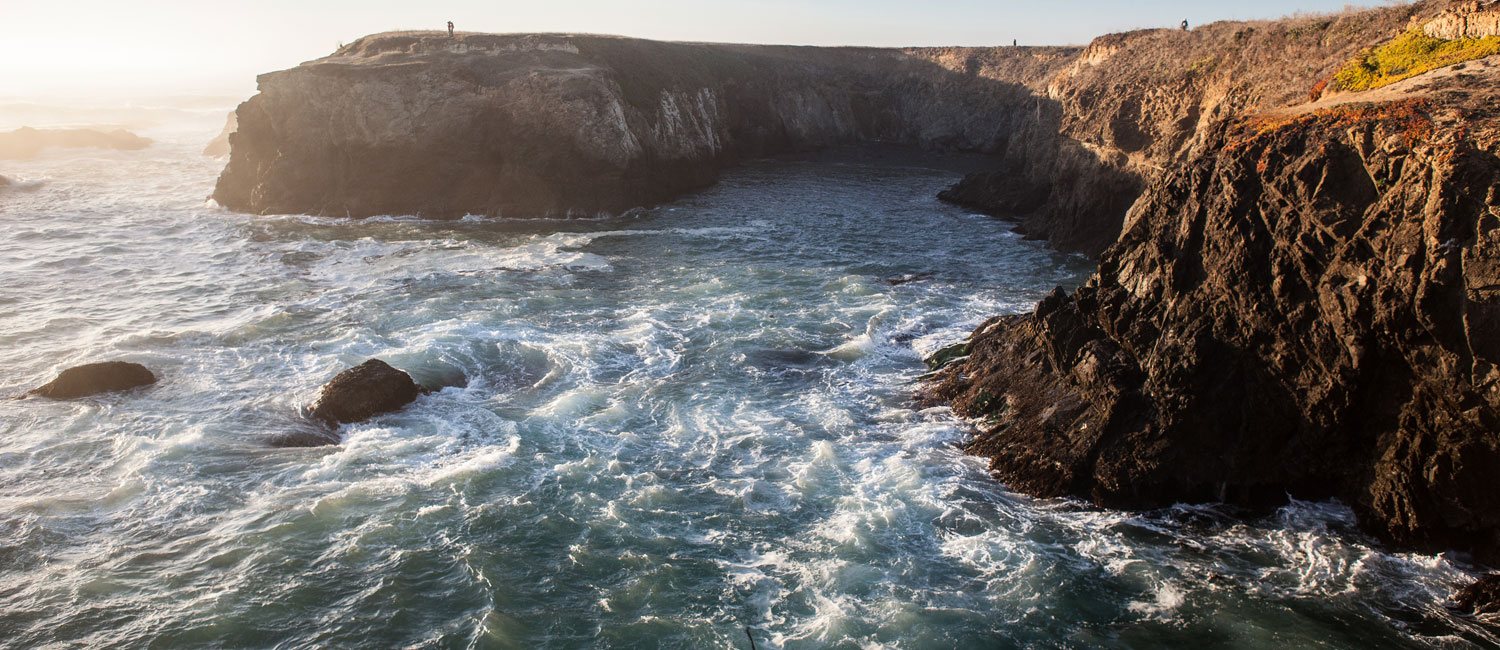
(651, 430)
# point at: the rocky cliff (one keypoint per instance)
(1308, 305)
(420, 123)
(1293, 298)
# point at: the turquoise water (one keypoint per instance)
(652, 431)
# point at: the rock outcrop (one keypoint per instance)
(364, 391)
(26, 142)
(1468, 19)
(96, 378)
(1479, 598)
(219, 146)
(526, 125)
(1288, 302)
(1309, 305)
(1132, 105)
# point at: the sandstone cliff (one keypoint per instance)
(526, 125)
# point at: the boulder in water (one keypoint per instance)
(364, 391)
(96, 378)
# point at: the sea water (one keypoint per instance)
(672, 428)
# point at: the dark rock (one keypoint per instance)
(96, 378)
(908, 278)
(1481, 597)
(946, 355)
(303, 439)
(364, 391)
(1302, 310)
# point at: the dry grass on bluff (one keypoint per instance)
(1408, 55)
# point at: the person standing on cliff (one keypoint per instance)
(450, 29)
(1184, 25)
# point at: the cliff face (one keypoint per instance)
(1132, 105)
(1307, 306)
(529, 125)
(1288, 302)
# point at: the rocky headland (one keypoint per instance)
(26, 142)
(1298, 291)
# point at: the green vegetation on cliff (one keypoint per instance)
(1409, 55)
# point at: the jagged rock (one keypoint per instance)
(27, 142)
(219, 146)
(1479, 598)
(364, 391)
(96, 378)
(1304, 308)
(946, 355)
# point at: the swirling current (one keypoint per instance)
(674, 428)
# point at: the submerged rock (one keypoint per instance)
(96, 378)
(909, 278)
(299, 439)
(1482, 597)
(364, 391)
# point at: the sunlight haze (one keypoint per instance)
(94, 48)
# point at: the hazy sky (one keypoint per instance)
(143, 47)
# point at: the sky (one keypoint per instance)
(95, 48)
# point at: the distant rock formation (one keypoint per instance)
(96, 378)
(26, 142)
(219, 146)
(364, 391)
(526, 125)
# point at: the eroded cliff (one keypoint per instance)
(1291, 299)
(1309, 305)
(528, 125)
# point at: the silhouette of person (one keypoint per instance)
(450, 28)
(1013, 42)
(1184, 25)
